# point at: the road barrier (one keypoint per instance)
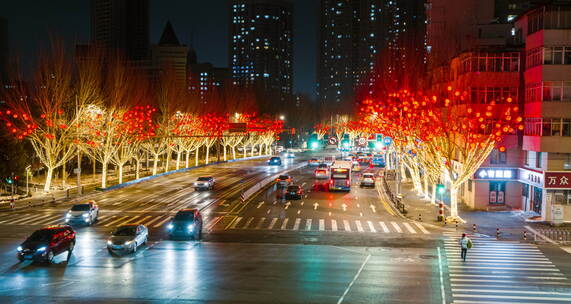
(258, 186)
(395, 200)
(561, 236)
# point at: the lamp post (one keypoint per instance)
(27, 179)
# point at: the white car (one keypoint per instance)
(127, 238)
(368, 180)
(322, 173)
(86, 213)
(204, 183)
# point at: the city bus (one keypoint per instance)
(341, 176)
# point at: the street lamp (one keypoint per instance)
(27, 179)
(282, 117)
(440, 189)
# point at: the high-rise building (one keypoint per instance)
(170, 55)
(261, 45)
(4, 49)
(121, 25)
(358, 35)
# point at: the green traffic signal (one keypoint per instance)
(440, 188)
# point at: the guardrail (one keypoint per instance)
(561, 236)
(258, 186)
(395, 200)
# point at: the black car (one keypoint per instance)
(186, 223)
(294, 192)
(44, 244)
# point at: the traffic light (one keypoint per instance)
(440, 188)
(16, 177)
(292, 131)
(9, 180)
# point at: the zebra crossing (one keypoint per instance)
(503, 272)
(107, 221)
(335, 225)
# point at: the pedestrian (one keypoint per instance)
(465, 244)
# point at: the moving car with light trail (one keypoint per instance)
(204, 183)
(294, 192)
(46, 243)
(313, 162)
(275, 161)
(85, 214)
(186, 223)
(127, 238)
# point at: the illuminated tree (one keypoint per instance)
(321, 129)
(44, 113)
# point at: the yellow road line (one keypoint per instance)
(384, 201)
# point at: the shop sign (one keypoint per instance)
(558, 180)
(530, 177)
(496, 173)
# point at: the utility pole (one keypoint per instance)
(12, 186)
(27, 179)
(78, 169)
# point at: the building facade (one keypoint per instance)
(170, 55)
(121, 25)
(261, 45)
(356, 36)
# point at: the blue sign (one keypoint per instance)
(387, 141)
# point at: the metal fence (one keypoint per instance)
(562, 236)
(395, 200)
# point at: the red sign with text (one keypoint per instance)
(558, 180)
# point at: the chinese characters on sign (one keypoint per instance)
(557, 179)
(496, 173)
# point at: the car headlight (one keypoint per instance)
(41, 249)
(128, 242)
(19, 248)
(85, 215)
(68, 215)
(190, 227)
(109, 243)
(170, 226)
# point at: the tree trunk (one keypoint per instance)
(233, 152)
(433, 198)
(207, 154)
(225, 153)
(245, 151)
(104, 175)
(196, 156)
(63, 174)
(453, 201)
(260, 150)
(187, 156)
(178, 154)
(252, 153)
(94, 172)
(120, 173)
(137, 173)
(402, 173)
(155, 163)
(425, 184)
(168, 158)
(48, 182)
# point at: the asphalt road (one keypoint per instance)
(335, 247)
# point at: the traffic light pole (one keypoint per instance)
(12, 186)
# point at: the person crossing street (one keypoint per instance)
(465, 244)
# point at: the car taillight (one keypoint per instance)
(331, 182)
(348, 183)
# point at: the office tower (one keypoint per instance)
(170, 55)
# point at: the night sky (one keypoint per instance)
(31, 22)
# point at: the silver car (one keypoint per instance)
(126, 238)
(86, 213)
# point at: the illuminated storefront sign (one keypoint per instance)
(559, 180)
(496, 173)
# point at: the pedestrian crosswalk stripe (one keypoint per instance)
(235, 223)
(272, 223)
(26, 219)
(346, 225)
(248, 223)
(371, 227)
(131, 220)
(296, 224)
(511, 291)
(260, 223)
(49, 220)
(308, 224)
(512, 297)
(143, 220)
(284, 224)
(506, 260)
(397, 228)
(116, 221)
(359, 227)
(528, 268)
(499, 281)
(385, 228)
(421, 227)
(321, 224)
(107, 219)
(333, 225)
(491, 302)
(408, 227)
(36, 220)
(159, 224)
(149, 223)
(555, 276)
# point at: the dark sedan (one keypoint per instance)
(45, 244)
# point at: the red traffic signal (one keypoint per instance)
(16, 177)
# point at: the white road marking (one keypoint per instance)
(115, 221)
(321, 225)
(419, 225)
(148, 224)
(385, 228)
(371, 227)
(284, 224)
(248, 223)
(409, 228)
(272, 223)
(143, 220)
(346, 225)
(259, 205)
(308, 224)
(296, 224)
(28, 219)
(396, 226)
(333, 225)
(260, 223)
(359, 226)
(354, 279)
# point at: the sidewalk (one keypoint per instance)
(511, 224)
